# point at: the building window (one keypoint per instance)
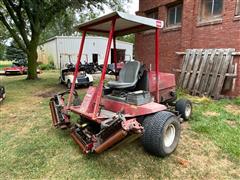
(153, 13)
(238, 8)
(211, 9)
(174, 15)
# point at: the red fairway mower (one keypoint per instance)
(140, 102)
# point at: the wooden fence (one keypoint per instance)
(207, 71)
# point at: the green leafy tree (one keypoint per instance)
(26, 20)
(13, 53)
(2, 51)
(4, 36)
(128, 38)
(62, 24)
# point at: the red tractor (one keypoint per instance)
(140, 102)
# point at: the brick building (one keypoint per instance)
(189, 24)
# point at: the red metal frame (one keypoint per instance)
(100, 86)
(131, 110)
(91, 102)
(157, 63)
(115, 54)
(76, 69)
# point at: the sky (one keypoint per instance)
(131, 7)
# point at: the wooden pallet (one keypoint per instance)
(207, 71)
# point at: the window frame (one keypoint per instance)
(237, 9)
(170, 6)
(154, 10)
(211, 17)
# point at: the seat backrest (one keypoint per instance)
(129, 72)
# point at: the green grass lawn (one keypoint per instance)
(219, 120)
(31, 148)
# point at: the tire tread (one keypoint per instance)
(153, 127)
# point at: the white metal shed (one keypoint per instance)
(57, 47)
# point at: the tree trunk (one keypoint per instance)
(32, 56)
(32, 64)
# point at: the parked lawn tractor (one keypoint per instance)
(140, 102)
(67, 77)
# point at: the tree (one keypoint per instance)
(2, 51)
(128, 38)
(4, 36)
(15, 54)
(26, 20)
(61, 25)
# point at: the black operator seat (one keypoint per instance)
(128, 76)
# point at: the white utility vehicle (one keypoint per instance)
(67, 74)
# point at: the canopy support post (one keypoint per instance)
(76, 69)
(157, 63)
(100, 86)
(115, 55)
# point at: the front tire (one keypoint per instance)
(161, 133)
(184, 107)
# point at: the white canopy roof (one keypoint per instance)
(125, 24)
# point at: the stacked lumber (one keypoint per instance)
(207, 71)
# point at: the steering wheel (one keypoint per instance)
(69, 65)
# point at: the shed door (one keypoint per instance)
(95, 58)
(120, 55)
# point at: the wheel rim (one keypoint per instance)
(188, 110)
(169, 135)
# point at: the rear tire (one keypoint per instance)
(184, 107)
(162, 133)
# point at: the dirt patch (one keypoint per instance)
(232, 123)
(198, 157)
(181, 161)
(234, 109)
(52, 91)
(47, 94)
(211, 113)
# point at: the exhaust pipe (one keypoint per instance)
(118, 136)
